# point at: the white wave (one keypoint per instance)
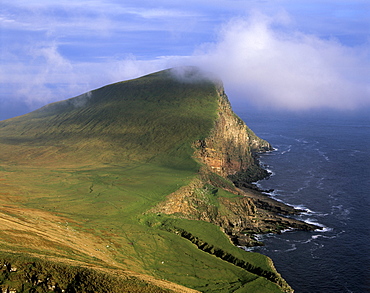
(320, 214)
(269, 151)
(322, 228)
(308, 240)
(341, 211)
(312, 222)
(303, 208)
(287, 230)
(291, 247)
(323, 154)
(287, 151)
(274, 195)
(294, 247)
(301, 140)
(246, 248)
(272, 173)
(355, 153)
(315, 237)
(301, 188)
(306, 211)
(258, 184)
(320, 183)
(259, 237)
(326, 157)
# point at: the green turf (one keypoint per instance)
(105, 158)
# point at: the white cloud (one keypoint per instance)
(36, 81)
(86, 18)
(47, 76)
(265, 60)
(286, 68)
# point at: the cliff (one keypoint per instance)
(229, 159)
(148, 176)
(231, 146)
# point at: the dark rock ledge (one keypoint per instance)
(273, 217)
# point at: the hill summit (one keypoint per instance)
(142, 182)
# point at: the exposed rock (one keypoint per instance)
(229, 153)
(232, 147)
(264, 202)
(229, 149)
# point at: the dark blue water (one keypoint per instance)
(322, 165)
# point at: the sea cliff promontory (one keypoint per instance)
(230, 152)
(147, 183)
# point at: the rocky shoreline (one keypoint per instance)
(273, 217)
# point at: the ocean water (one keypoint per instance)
(321, 165)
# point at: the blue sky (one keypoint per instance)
(292, 55)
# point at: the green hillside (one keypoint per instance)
(78, 177)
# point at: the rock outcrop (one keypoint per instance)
(230, 148)
(229, 161)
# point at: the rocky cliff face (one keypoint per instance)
(230, 148)
(228, 156)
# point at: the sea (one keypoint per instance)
(321, 165)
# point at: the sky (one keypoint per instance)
(286, 55)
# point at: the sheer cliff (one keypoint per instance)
(229, 160)
(231, 147)
(228, 150)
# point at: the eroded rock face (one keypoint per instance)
(229, 148)
(229, 161)
(227, 151)
(200, 201)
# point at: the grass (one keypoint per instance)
(29, 274)
(76, 178)
(210, 233)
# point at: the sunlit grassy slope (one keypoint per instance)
(77, 176)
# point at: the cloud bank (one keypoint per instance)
(263, 60)
(266, 61)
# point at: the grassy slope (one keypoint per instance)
(77, 176)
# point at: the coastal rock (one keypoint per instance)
(229, 149)
(229, 160)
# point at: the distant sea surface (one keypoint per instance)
(321, 165)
